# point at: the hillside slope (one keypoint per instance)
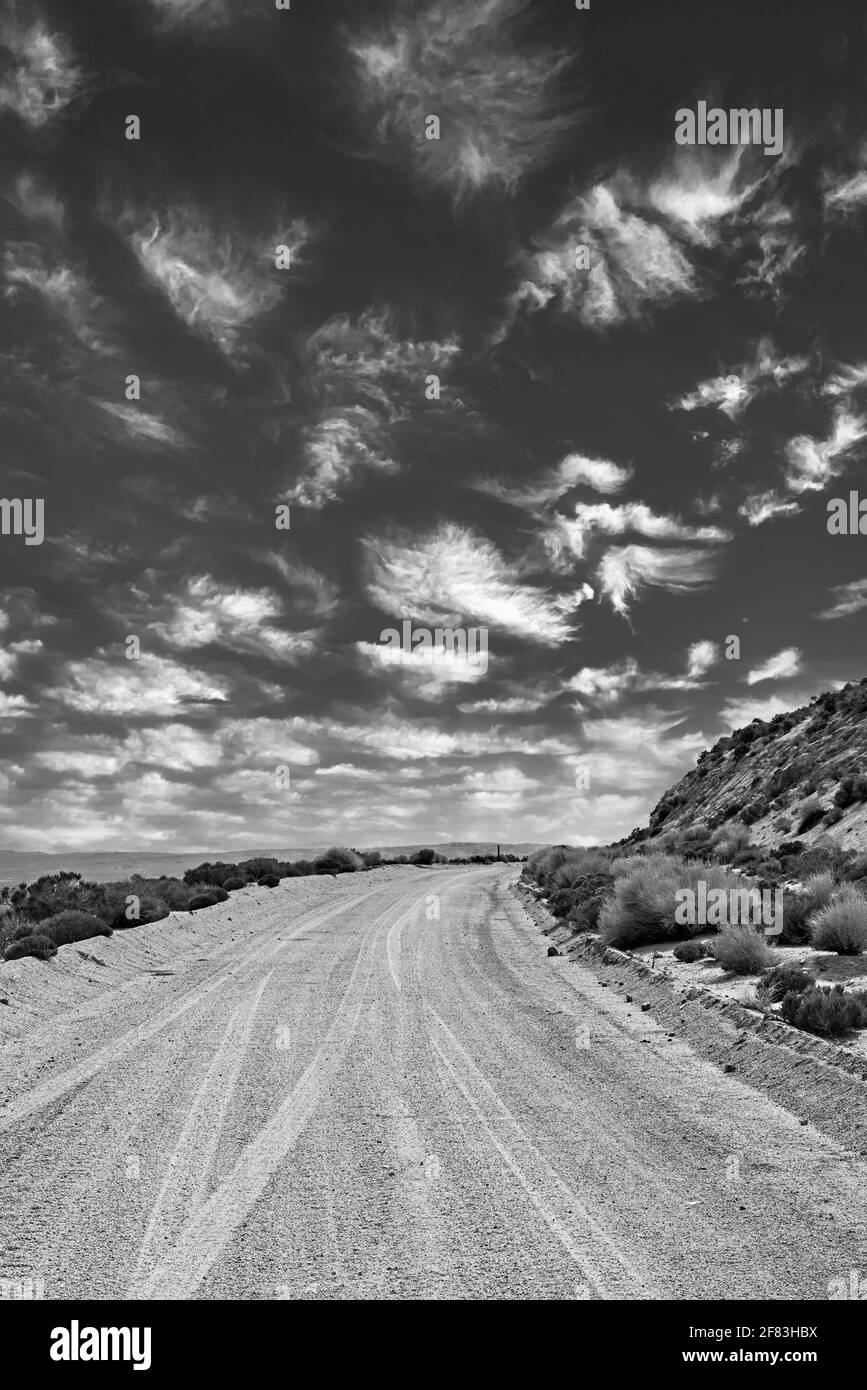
(803, 773)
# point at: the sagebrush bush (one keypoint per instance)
(798, 907)
(214, 875)
(743, 857)
(66, 927)
(809, 815)
(769, 868)
(338, 860)
(820, 887)
(730, 838)
(201, 900)
(232, 884)
(642, 904)
(577, 866)
(829, 1012)
(851, 790)
(172, 893)
(580, 903)
(69, 892)
(151, 907)
(269, 881)
(742, 951)
(690, 951)
(22, 929)
(38, 945)
(841, 925)
(781, 980)
(856, 867)
(50, 894)
(558, 866)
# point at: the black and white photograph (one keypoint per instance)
(433, 668)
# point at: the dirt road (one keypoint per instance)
(380, 1087)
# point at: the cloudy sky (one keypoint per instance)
(627, 464)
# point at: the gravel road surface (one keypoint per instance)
(381, 1087)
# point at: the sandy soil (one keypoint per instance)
(828, 968)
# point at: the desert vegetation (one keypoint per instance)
(626, 894)
(59, 908)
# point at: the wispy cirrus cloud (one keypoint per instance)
(644, 741)
(845, 194)
(175, 13)
(41, 76)
(846, 380)
(452, 574)
(737, 713)
(61, 286)
(625, 571)
(367, 377)
(141, 425)
(846, 599)
(759, 507)
(734, 391)
(608, 685)
(575, 470)
(500, 99)
(776, 248)
(218, 280)
(35, 201)
(603, 518)
(426, 672)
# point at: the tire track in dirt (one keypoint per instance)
(209, 1230)
(47, 1092)
(189, 1164)
(552, 1198)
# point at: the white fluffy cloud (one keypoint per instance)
(634, 264)
(784, 664)
(812, 463)
(241, 620)
(129, 689)
(698, 190)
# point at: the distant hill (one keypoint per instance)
(799, 775)
(103, 866)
